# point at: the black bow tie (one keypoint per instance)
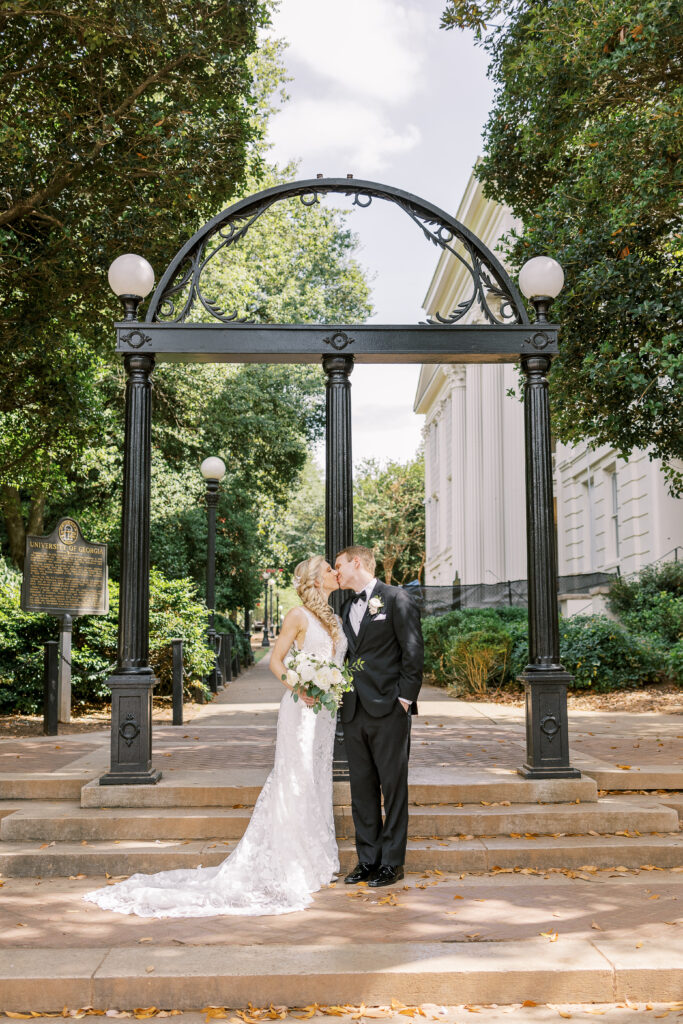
(358, 597)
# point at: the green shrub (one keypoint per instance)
(603, 655)
(175, 611)
(436, 630)
(478, 648)
(476, 660)
(674, 662)
(632, 593)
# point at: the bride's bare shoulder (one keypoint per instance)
(296, 617)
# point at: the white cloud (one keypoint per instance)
(371, 47)
(343, 135)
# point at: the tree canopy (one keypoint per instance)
(583, 144)
(122, 125)
(389, 516)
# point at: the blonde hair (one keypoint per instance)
(306, 575)
(366, 555)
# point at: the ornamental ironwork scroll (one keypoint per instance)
(184, 290)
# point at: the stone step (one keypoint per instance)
(43, 785)
(209, 789)
(635, 777)
(188, 977)
(125, 857)
(69, 822)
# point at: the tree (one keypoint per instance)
(583, 143)
(301, 529)
(389, 516)
(124, 127)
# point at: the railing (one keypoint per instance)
(504, 594)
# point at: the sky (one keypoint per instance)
(380, 92)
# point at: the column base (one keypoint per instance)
(527, 771)
(131, 731)
(547, 730)
(131, 778)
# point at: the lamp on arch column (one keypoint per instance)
(545, 681)
(131, 278)
(213, 471)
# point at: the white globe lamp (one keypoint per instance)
(213, 468)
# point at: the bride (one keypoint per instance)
(289, 849)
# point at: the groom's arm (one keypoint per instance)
(409, 637)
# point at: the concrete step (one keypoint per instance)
(188, 977)
(69, 822)
(635, 777)
(209, 789)
(124, 857)
(43, 785)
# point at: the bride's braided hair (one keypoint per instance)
(306, 576)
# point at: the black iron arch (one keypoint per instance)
(181, 288)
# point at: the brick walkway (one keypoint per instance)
(237, 730)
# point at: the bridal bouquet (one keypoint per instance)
(323, 680)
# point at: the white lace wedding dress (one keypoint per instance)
(289, 849)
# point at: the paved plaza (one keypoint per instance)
(550, 932)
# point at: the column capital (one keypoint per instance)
(338, 366)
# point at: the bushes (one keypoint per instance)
(603, 655)
(455, 646)
(652, 601)
(476, 649)
(175, 611)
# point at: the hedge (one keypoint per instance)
(175, 611)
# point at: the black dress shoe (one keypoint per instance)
(387, 875)
(361, 873)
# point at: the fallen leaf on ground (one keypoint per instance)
(594, 924)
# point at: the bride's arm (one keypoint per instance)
(293, 629)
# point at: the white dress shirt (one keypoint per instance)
(356, 613)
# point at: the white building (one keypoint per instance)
(609, 513)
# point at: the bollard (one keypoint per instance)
(237, 668)
(51, 677)
(227, 657)
(177, 689)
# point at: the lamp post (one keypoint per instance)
(265, 642)
(545, 680)
(277, 613)
(213, 471)
(271, 623)
(131, 278)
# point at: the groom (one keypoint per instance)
(382, 625)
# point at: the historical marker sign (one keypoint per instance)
(64, 574)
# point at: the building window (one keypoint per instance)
(615, 511)
(589, 546)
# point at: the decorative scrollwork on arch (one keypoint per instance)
(491, 294)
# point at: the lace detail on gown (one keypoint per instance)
(289, 849)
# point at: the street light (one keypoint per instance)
(213, 471)
(131, 278)
(265, 642)
(545, 680)
(541, 280)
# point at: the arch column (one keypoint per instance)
(545, 680)
(133, 680)
(338, 493)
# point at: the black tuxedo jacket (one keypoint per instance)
(390, 646)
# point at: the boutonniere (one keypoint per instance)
(375, 604)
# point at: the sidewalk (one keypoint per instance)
(237, 731)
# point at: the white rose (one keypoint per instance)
(323, 678)
(337, 677)
(306, 670)
(292, 677)
(374, 604)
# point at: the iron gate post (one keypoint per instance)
(338, 491)
(133, 681)
(545, 680)
(211, 505)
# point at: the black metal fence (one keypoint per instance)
(505, 594)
